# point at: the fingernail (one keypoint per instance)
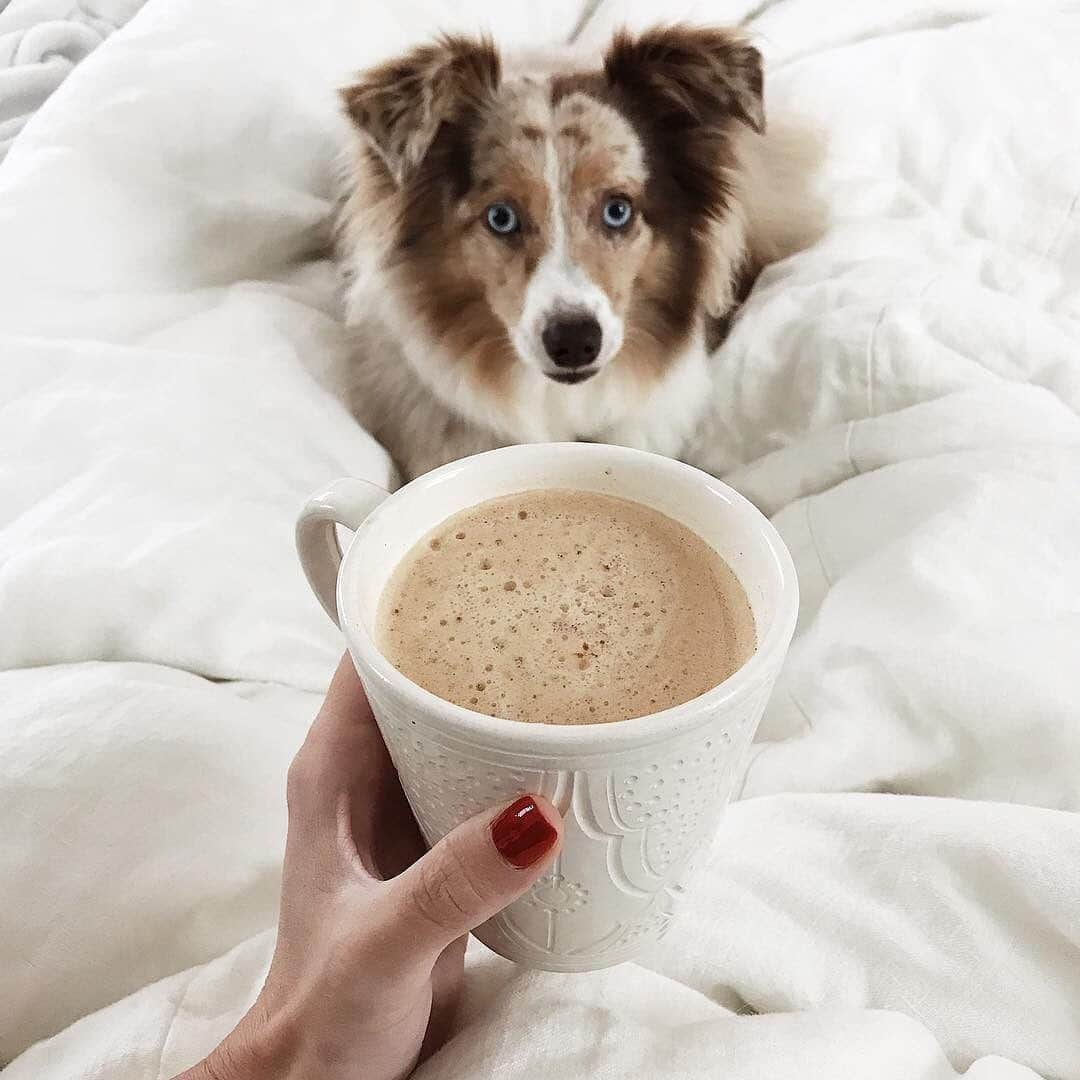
(522, 834)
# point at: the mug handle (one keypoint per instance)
(345, 502)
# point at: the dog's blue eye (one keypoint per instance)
(617, 212)
(502, 218)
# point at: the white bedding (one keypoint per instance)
(896, 894)
(40, 42)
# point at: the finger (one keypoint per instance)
(345, 716)
(468, 876)
(342, 773)
(385, 832)
(446, 978)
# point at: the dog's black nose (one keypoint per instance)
(572, 341)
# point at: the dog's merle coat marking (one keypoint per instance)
(450, 316)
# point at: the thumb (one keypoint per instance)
(471, 874)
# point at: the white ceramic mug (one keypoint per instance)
(639, 797)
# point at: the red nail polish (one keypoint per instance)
(522, 834)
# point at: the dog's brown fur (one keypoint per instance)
(664, 121)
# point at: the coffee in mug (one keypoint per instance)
(559, 606)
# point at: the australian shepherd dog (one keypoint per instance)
(552, 246)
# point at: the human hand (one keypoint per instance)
(371, 935)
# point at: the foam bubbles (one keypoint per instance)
(632, 602)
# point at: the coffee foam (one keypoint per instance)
(564, 607)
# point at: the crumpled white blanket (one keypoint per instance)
(894, 897)
(40, 42)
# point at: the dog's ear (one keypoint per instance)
(401, 104)
(686, 74)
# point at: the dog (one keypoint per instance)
(551, 247)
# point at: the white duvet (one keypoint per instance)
(896, 895)
(40, 42)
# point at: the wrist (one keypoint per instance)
(258, 1048)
